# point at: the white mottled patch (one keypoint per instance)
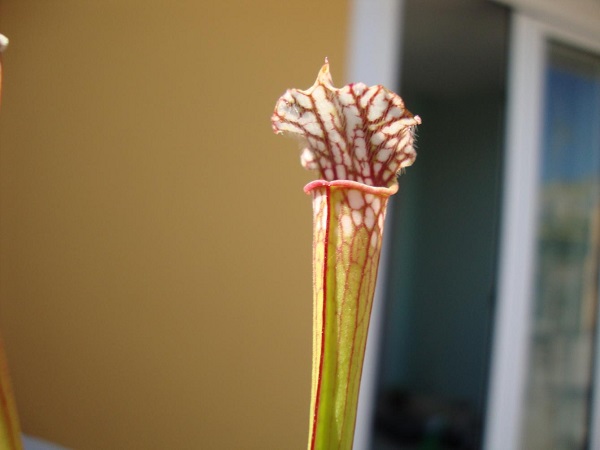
(317, 204)
(376, 204)
(353, 120)
(347, 161)
(341, 171)
(391, 143)
(323, 218)
(394, 113)
(319, 94)
(404, 140)
(318, 200)
(3, 42)
(326, 109)
(307, 117)
(369, 217)
(285, 110)
(384, 155)
(329, 174)
(378, 107)
(345, 97)
(337, 156)
(289, 127)
(355, 200)
(337, 121)
(314, 128)
(377, 138)
(411, 155)
(334, 136)
(366, 97)
(398, 125)
(373, 240)
(312, 141)
(359, 88)
(347, 226)
(397, 101)
(307, 159)
(360, 149)
(357, 165)
(394, 128)
(357, 218)
(304, 101)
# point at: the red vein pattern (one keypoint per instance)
(357, 138)
(356, 133)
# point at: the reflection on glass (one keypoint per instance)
(563, 338)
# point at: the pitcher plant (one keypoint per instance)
(357, 138)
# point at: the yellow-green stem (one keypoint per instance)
(348, 225)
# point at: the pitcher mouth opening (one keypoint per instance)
(349, 184)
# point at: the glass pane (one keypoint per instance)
(563, 339)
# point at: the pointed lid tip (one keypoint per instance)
(324, 76)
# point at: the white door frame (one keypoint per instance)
(528, 49)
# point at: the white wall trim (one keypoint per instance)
(580, 15)
(374, 58)
(519, 213)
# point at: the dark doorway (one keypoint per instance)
(440, 294)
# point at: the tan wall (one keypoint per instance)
(154, 237)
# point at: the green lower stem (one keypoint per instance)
(348, 225)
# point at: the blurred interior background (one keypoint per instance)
(155, 239)
(441, 288)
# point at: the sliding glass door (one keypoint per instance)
(546, 353)
(562, 340)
